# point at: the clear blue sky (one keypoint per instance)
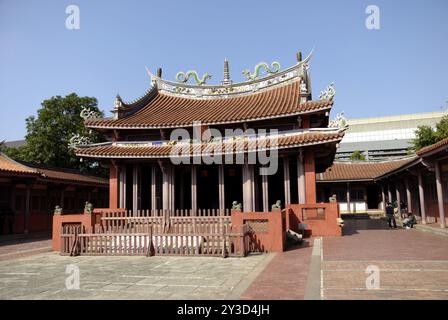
(401, 68)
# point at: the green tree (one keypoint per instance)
(357, 156)
(49, 133)
(424, 136)
(442, 129)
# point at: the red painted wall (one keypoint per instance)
(86, 220)
(275, 237)
(316, 227)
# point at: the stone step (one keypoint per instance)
(436, 231)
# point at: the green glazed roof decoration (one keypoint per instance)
(258, 68)
(183, 77)
(264, 76)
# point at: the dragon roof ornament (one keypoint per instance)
(258, 68)
(183, 77)
(339, 122)
(87, 114)
(328, 93)
(255, 81)
(77, 140)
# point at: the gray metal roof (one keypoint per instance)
(405, 121)
(398, 144)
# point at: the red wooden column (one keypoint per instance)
(421, 193)
(113, 185)
(310, 176)
(408, 194)
(440, 194)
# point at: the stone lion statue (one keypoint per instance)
(88, 208)
(58, 210)
(236, 206)
(277, 205)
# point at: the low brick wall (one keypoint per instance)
(60, 220)
(321, 219)
(84, 219)
(268, 229)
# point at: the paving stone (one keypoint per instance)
(43, 276)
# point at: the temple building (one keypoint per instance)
(190, 146)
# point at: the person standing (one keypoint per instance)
(390, 216)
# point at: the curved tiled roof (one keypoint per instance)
(166, 111)
(352, 171)
(129, 150)
(70, 175)
(10, 166)
(425, 150)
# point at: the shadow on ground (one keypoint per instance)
(362, 222)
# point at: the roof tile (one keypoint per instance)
(346, 171)
(173, 111)
(165, 151)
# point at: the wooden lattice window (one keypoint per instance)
(258, 226)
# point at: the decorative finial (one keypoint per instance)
(159, 72)
(117, 107)
(118, 102)
(226, 80)
(299, 56)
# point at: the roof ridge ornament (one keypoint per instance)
(118, 105)
(78, 140)
(88, 114)
(339, 122)
(226, 80)
(183, 77)
(328, 93)
(257, 70)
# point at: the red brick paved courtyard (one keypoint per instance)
(284, 278)
(412, 265)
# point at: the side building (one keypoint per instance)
(29, 194)
(416, 184)
(354, 184)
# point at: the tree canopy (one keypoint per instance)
(426, 135)
(49, 133)
(357, 156)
